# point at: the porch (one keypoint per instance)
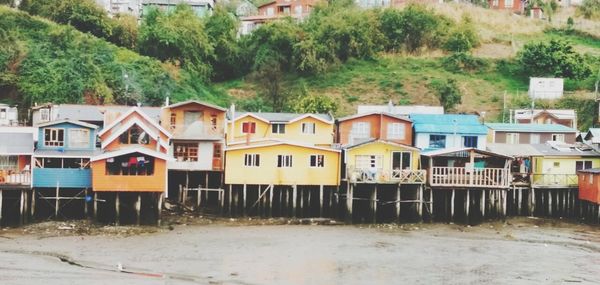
(393, 176)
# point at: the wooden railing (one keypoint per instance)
(554, 180)
(474, 177)
(23, 178)
(406, 176)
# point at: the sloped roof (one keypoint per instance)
(360, 115)
(133, 149)
(16, 143)
(447, 151)
(403, 110)
(95, 113)
(593, 134)
(129, 112)
(448, 124)
(373, 141)
(563, 149)
(562, 114)
(531, 128)
(79, 123)
(514, 150)
(274, 142)
(283, 117)
(66, 153)
(195, 102)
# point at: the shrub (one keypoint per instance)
(555, 58)
(447, 92)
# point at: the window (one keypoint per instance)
(583, 164)
(79, 138)
(278, 128)
(558, 137)
(308, 128)
(512, 138)
(437, 141)
(270, 11)
(369, 161)
(298, 9)
(401, 160)
(508, 3)
(395, 131)
(213, 121)
(556, 164)
(252, 160)
(534, 139)
(317, 160)
(284, 160)
(185, 151)
(361, 130)
(10, 162)
(495, 3)
(135, 164)
(217, 150)
(173, 120)
(54, 137)
(135, 135)
(3, 114)
(45, 115)
(248, 127)
(470, 141)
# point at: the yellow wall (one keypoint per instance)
(268, 173)
(545, 165)
(381, 149)
(293, 132)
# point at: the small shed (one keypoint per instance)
(545, 88)
(589, 185)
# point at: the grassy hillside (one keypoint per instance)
(41, 61)
(405, 79)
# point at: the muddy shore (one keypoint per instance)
(203, 250)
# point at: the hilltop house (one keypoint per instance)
(133, 161)
(8, 115)
(567, 118)
(138, 8)
(529, 133)
(274, 10)
(433, 132)
(376, 125)
(517, 6)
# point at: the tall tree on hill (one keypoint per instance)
(221, 28)
(555, 58)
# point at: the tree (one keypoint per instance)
(555, 58)
(178, 37)
(124, 31)
(221, 28)
(589, 9)
(315, 104)
(447, 92)
(412, 28)
(463, 36)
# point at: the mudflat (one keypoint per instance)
(518, 251)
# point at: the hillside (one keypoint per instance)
(405, 78)
(42, 61)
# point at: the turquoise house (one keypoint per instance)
(62, 155)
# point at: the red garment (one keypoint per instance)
(132, 161)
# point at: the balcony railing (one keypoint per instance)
(469, 177)
(13, 178)
(406, 176)
(198, 130)
(554, 180)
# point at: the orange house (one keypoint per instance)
(135, 155)
(377, 125)
(589, 185)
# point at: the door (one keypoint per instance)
(401, 160)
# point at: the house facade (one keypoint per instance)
(589, 185)
(274, 10)
(433, 132)
(556, 164)
(517, 6)
(530, 133)
(9, 116)
(565, 117)
(369, 126)
(15, 159)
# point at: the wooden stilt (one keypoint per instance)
(374, 204)
(482, 204)
(520, 201)
(294, 199)
(330, 208)
(430, 204)
(452, 205)
(229, 204)
(33, 198)
(308, 203)
(421, 200)
(398, 196)
(159, 209)
(564, 203)
(138, 209)
(21, 208)
(321, 201)
(199, 198)
(236, 204)
(180, 198)
(532, 207)
(349, 202)
(117, 209)
(549, 202)
(85, 203)
(504, 202)
(301, 202)
(467, 205)
(95, 206)
(286, 201)
(56, 202)
(271, 201)
(244, 200)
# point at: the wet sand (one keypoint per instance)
(521, 251)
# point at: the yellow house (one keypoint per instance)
(316, 129)
(556, 164)
(275, 162)
(383, 161)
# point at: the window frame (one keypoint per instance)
(186, 150)
(251, 129)
(284, 161)
(431, 136)
(396, 131)
(44, 115)
(85, 144)
(316, 160)
(278, 128)
(474, 139)
(556, 136)
(252, 160)
(303, 128)
(515, 138)
(55, 142)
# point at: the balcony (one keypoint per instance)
(200, 165)
(407, 176)
(554, 180)
(10, 178)
(469, 177)
(197, 131)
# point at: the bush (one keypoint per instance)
(589, 9)
(315, 104)
(461, 61)
(447, 92)
(555, 58)
(412, 28)
(463, 37)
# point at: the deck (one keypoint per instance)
(15, 180)
(554, 180)
(358, 175)
(469, 177)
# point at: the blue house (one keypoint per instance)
(448, 131)
(62, 155)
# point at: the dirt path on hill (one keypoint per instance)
(521, 251)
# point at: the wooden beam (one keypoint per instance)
(117, 210)
(321, 201)
(138, 209)
(294, 198)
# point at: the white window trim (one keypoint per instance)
(278, 128)
(291, 161)
(44, 115)
(51, 130)
(316, 160)
(85, 144)
(253, 159)
(314, 128)
(400, 135)
(562, 136)
(401, 158)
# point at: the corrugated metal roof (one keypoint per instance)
(95, 113)
(514, 150)
(67, 153)
(532, 128)
(562, 149)
(404, 110)
(448, 124)
(590, 170)
(521, 114)
(16, 143)
(404, 118)
(281, 117)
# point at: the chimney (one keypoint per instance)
(167, 101)
(390, 106)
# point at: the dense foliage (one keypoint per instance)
(589, 9)
(554, 58)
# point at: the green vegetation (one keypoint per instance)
(555, 58)
(589, 9)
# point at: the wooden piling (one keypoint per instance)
(271, 201)
(421, 200)
(308, 202)
(532, 205)
(467, 205)
(504, 203)
(452, 206)
(321, 201)
(159, 209)
(520, 201)
(236, 204)
(244, 200)
(374, 204)
(33, 204)
(117, 209)
(398, 196)
(349, 202)
(1, 200)
(549, 202)
(95, 206)
(85, 203)
(21, 208)
(138, 209)
(230, 191)
(56, 202)
(482, 204)
(301, 202)
(294, 199)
